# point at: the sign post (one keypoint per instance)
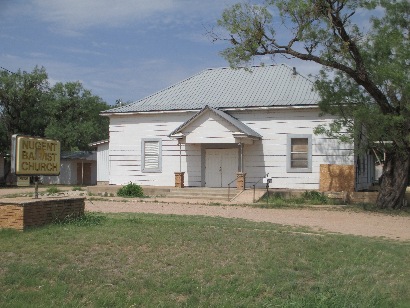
(32, 156)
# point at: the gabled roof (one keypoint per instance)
(100, 142)
(261, 86)
(242, 128)
(77, 155)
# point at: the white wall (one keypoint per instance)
(126, 133)
(265, 156)
(68, 173)
(209, 128)
(269, 154)
(103, 164)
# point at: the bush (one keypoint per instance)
(131, 190)
(308, 197)
(53, 190)
(315, 197)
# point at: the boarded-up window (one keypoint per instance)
(151, 155)
(299, 155)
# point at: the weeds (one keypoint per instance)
(371, 207)
(53, 190)
(85, 220)
(278, 199)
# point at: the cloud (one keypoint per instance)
(80, 14)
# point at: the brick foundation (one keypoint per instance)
(20, 214)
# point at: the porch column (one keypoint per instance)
(241, 158)
(179, 179)
(240, 181)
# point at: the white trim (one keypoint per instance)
(220, 108)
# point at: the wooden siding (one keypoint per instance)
(68, 173)
(103, 165)
(125, 151)
(365, 171)
(269, 154)
(263, 156)
(210, 128)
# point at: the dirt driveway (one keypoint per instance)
(345, 222)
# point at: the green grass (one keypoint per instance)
(53, 190)
(145, 260)
(278, 200)
(309, 198)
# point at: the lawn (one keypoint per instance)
(142, 260)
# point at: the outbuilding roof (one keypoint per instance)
(89, 155)
(259, 86)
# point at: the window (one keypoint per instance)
(299, 154)
(151, 155)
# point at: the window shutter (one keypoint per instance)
(151, 154)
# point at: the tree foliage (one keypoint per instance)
(74, 116)
(22, 96)
(365, 76)
(67, 112)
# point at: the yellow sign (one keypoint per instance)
(36, 156)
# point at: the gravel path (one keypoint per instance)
(345, 222)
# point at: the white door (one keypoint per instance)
(221, 166)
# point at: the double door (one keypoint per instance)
(221, 166)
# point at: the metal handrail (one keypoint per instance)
(254, 185)
(229, 187)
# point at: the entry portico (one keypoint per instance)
(222, 139)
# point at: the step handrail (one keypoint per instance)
(229, 187)
(254, 185)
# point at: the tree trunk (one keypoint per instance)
(394, 181)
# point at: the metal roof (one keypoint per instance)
(77, 155)
(260, 86)
(100, 142)
(243, 128)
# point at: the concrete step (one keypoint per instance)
(171, 192)
(202, 193)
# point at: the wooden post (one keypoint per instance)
(179, 179)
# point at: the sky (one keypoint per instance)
(119, 49)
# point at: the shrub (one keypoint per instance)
(308, 197)
(53, 190)
(131, 190)
(315, 197)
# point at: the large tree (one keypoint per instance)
(365, 72)
(75, 116)
(66, 111)
(23, 98)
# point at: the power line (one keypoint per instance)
(5, 69)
